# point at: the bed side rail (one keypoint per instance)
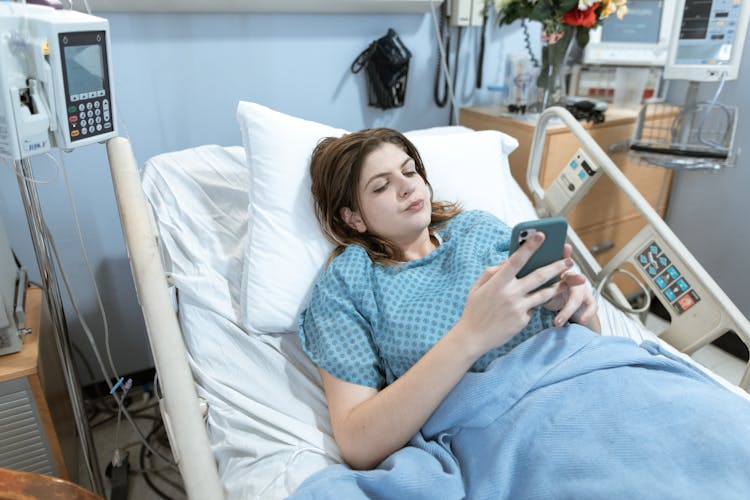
(191, 447)
(700, 310)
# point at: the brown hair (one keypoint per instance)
(335, 169)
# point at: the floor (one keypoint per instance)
(717, 360)
(167, 481)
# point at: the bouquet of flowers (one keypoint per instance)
(559, 16)
(562, 20)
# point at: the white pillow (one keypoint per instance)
(286, 248)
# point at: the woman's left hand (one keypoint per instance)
(575, 303)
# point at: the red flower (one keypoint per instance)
(585, 18)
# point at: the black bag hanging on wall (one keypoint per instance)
(386, 64)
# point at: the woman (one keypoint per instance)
(416, 294)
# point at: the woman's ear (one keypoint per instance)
(353, 220)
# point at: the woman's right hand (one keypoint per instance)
(499, 304)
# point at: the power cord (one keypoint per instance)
(47, 235)
(90, 337)
(480, 61)
(443, 60)
(457, 59)
(527, 43)
(627, 309)
(102, 311)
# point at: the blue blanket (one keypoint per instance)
(568, 414)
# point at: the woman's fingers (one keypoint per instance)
(586, 312)
(544, 295)
(485, 276)
(545, 274)
(567, 251)
(572, 278)
(520, 257)
(580, 307)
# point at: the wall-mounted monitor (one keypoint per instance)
(640, 38)
(708, 40)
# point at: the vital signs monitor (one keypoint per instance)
(55, 80)
(707, 46)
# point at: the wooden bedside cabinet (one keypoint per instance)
(37, 430)
(604, 219)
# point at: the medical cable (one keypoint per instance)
(453, 111)
(707, 112)
(158, 426)
(125, 390)
(19, 174)
(443, 59)
(88, 266)
(90, 337)
(480, 58)
(647, 295)
(77, 350)
(443, 36)
(527, 43)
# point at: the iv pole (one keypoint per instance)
(39, 238)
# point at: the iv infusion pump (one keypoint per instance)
(55, 80)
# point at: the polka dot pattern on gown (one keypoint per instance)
(368, 323)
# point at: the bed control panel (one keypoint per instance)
(668, 278)
(574, 181)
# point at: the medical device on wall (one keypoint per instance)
(467, 12)
(12, 296)
(55, 82)
(706, 46)
(640, 38)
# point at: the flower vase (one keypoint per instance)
(553, 74)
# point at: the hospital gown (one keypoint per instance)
(369, 323)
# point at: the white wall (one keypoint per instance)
(178, 78)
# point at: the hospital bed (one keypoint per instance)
(243, 406)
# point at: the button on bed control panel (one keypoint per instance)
(667, 278)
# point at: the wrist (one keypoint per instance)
(464, 343)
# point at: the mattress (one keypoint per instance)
(267, 421)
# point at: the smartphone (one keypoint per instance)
(555, 230)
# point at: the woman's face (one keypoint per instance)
(394, 199)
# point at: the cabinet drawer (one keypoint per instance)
(605, 202)
(605, 241)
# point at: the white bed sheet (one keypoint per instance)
(268, 421)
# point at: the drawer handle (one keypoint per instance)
(602, 247)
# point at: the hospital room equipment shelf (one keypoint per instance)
(605, 219)
(37, 431)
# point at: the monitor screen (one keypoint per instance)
(640, 38)
(640, 24)
(707, 32)
(84, 68)
(708, 40)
